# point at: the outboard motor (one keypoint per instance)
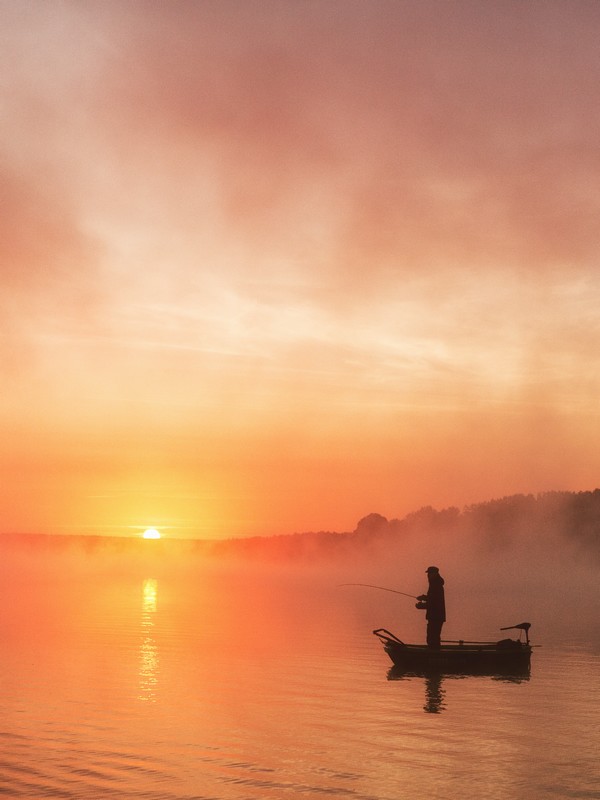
(522, 626)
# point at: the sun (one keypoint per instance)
(151, 533)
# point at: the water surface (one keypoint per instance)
(245, 683)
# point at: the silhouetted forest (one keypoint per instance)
(495, 524)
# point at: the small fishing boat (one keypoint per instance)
(504, 657)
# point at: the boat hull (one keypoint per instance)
(507, 657)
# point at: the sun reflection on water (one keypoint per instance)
(149, 662)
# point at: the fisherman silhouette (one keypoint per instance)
(435, 604)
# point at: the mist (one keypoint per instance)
(520, 558)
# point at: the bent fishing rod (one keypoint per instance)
(383, 589)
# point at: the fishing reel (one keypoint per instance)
(421, 604)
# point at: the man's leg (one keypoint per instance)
(434, 633)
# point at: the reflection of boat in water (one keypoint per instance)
(512, 675)
(435, 679)
(505, 657)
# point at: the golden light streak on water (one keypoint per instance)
(149, 660)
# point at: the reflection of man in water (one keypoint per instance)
(434, 694)
(436, 606)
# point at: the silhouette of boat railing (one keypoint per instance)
(506, 656)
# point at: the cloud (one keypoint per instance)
(347, 146)
(437, 140)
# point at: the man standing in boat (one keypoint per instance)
(435, 604)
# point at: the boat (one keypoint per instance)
(504, 657)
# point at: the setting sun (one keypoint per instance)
(151, 533)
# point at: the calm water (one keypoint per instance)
(138, 681)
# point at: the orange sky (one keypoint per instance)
(271, 266)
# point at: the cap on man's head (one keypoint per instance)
(432, 569)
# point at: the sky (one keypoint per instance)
(272, 266)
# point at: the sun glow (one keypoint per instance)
(151, 533)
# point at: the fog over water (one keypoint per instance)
(503, 562)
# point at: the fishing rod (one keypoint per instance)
(383, 589)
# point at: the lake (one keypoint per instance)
(138, 678)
